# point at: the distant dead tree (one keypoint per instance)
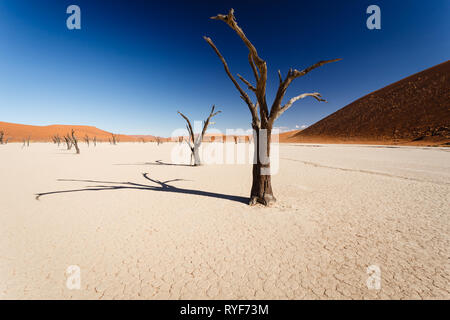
(3, 138)
(86, 139)
(74, 141)
(195, 142)
(68, 141)
(95, 141)
(114, 139)
(26, 142)
(158, 141)
(261, 191)
(56, 139)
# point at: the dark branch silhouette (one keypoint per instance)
(160, 186)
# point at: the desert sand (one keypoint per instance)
(110, 211)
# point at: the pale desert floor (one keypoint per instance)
(340, 209)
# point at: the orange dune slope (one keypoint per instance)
(414, 110)
(19, 132)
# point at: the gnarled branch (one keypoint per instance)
(315, 95)
(294, 73)
(252, 65)
(230, 20)
(244, 95)
(249, 85)
(188, 127)
(254, 60)
(206, 122)
(284, 84)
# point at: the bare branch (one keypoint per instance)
(292, 74)
(188, 143)
(188, 126)
(315, 95)
(254, 59)
(231, 21)
(297, 73)
(280, 77)
(244, 95)
(206, 123)
(256, 64)
(252, 65)
(249, 85)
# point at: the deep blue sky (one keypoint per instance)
(135, 63)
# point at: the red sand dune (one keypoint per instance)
(414, 110)
(19, 132)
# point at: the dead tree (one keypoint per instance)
(86, 139)
(114, 139)
(26, 142)
(56, 139)
(195, 142)
(262, 124)
(68, 141)
(95, 141)
(74, 141)
(2, 137)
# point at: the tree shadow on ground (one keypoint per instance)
(163, 186)
(156, 163)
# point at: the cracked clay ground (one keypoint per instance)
(142, 230)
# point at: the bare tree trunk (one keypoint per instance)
(75, 142)
(114, 140)
(68, 142)
(261, 191)
(196, 154)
